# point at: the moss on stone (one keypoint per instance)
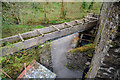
(83, 48)
(90, 68)
(98, 36)
(69, 67)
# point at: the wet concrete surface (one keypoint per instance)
(59, 50)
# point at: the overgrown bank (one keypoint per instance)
(14, 64)
(10, 30)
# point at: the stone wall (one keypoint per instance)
(45, 56)
(79, 57)
(106, 60)
(76, 61)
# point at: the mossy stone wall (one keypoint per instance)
(108, 25)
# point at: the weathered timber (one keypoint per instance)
(41, 39)
(81, 38)
(35, 33)
(21, 37)
(68, 24)
(56, 28)
(40, 32)
(78, 22)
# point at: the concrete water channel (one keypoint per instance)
(59, 50)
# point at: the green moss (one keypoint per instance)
(14, 64)
(83, 48)
(90, 68)
(90, 55)
(98, 36)
(69, 67)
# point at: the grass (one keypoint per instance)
(35, 16)
(10, 30)
(14, 64)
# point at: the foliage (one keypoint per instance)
(14, 64)
(10, 30)
(84, 4)
(91, 5)
(25, 15)
(36, 13)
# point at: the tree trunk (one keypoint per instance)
(62, 11)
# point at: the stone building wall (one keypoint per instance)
(106, 60)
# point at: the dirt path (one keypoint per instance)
(58, 50)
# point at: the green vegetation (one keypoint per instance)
(20, 17)
(9, 30)
(84, 48)
(23, 17)
(101, 27)
(90, 68)
(91, 5)
(36, 13)
(69, 67)
(60, 21)
(14, 64)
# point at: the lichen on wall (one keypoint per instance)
(108, 26)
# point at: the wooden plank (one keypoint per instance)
(78, 22)
(21, 37)
(27, 68)
(40, 32)
(68, 24)
(41, 39)
(81, 38)
(91, 18)
(56, 28)
(35, 33)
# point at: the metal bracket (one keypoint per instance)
(79, 22)
(56, 28)
(68, 24)
(39, 32)
(21, 37)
